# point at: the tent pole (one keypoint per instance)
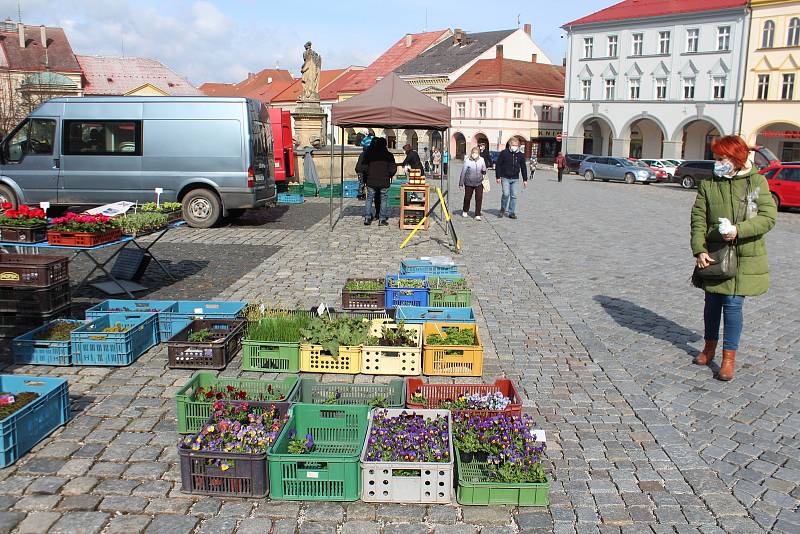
(341, 177)
(330, 182)
(449, 162)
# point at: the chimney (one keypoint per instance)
(21, 28)
(43, 36)
(250, 75)
(564, 62)
(499, 49)
(534, 58)
(527, 29)
(458, 37)
(409, 40)
(269, 79)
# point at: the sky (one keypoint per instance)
(221, 41)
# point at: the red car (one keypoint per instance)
(784, 184)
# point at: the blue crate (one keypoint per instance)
(28, 350)
(419, 315)
(398, 296)
(185, 311)
(26, 427)
(134, 306)
(350, 189)
(425, 267)
(92, 346)
(350, 193)
(290, 198)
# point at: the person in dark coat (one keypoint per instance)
(378, 167)
(486, 155)
(412, 160)
(510, 163)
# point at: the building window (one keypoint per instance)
(439, 99)
(482, 109)
(546, 113)
(718, 84)
(461, 109)
(663, 42)
(588, 47)
(612, 46)
(688, 88)
(634, 86)
(103, 138)
(692, 40)
(724, 38)
(611, 85)
(794, 32)
(517, 110)
(661, 88)
(787, 89)
(638, 44)
(768, 35)
(586, 89)
(561, 114)
(763, 86)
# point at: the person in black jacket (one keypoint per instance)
(412, 160)
(378, 168)
(510, 163)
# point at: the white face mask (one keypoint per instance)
(514, 148)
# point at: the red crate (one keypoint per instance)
(436, 394)
(83, 239)
(33, 270)
(24, 234)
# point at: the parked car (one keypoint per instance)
(689, 173)
(614, 168)
(214, 155)
(665, 165)
(574, 162)
(784, 184)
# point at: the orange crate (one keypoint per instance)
(314, 360)
(83, 239)
(436, 394)
(451, 360)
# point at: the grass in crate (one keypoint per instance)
(11, 403)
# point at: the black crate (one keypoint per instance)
(363, 300)
(16, 324)
(214, 354)
(34, 301)
(33, 270)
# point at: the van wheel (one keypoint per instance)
(630, 179)
(588, 176)
(687, 182)
(776, 200)
(201, 208)
(7, 195)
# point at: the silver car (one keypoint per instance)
(214, 155)
(615, 168)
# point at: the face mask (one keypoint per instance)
(514, 148)
(722, 168)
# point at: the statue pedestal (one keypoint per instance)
(310, 124)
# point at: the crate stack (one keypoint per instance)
(413, 201)
(34, 289)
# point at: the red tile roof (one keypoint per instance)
(292, 93)
(639, 9)
(60, 57)
(256, 86)
(395, 56)
(331, 91)
(120, 75)
(512, 74)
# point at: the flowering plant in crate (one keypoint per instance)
(23, 216)
(72, 222)
(494, 401)
(300, 445)
(213, 393)
(507, 444)
(408, 437)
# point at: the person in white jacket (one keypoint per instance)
(472, 181)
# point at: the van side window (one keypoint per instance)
(103, 138)
(35, 137)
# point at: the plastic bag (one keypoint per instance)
(725, 226)
(439, 261)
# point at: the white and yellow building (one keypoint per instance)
(771, 103)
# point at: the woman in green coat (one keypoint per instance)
(734, 206)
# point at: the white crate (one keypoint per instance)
(402, 361)
(433, 485)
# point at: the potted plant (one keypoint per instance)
(83, 230)
(142, 223)
(22, 225)
(393, 349)
(171, 209)
(333, 346)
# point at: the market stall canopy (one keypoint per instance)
(391, 103)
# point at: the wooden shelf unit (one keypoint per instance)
(414, 201)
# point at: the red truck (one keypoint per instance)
(281, 121)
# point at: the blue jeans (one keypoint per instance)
(508, 202)
(368, 205)
(728, 307)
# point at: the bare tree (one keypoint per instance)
(18, 98)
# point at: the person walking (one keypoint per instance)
(363, 141)
(561, 164)
(486, 155)
(379, 167)
(437, 161)
(412, 160)
(471, 181)
(510, 163)
(732, 213)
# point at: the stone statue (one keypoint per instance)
(312, 64)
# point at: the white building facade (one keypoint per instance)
(656, 86)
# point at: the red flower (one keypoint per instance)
(6, 205)
(230, 389)
(242, 395)
(12, 214)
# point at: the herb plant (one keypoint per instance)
(58, 331)
(394, 336)
(452, 335)
(201, 336)
(286, 329)
(143, 222)
(364, 285)
(345, 331)
(408, 437)
(164, 207)
(405, 283)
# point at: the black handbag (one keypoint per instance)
(724, 254)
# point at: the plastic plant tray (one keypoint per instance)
(436, 394)
(426, 267)
(331, 471)
(270, 356)
(314, 360)
(26, 427)
(354, 299)
(402, 361)
(136, 306)
(476, 488)
(311, 391)
(92, 346)
(431, 482)
(451, 360)
(28, 350)
(406, 296)
(459, 298)
(214, 353)
(175, 319)
(419, 315)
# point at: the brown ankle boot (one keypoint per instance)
(728, 364)
(705, 357)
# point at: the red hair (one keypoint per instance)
(733, 147)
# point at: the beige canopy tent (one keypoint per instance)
(390, 103)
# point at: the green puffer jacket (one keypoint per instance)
(717, 198)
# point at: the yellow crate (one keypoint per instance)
(403, 361)
(451, 360)
(314, 360)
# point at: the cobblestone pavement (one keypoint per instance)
(623, 454)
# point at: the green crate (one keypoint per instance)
(309, 391)
(295, 189)
(326, 191)
(309, 189)
(270, 356)
(439, 299)
(474, 488)
(332, 471)
(192, 414)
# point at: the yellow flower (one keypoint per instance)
(224, 467)
(210, 428)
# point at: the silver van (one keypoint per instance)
(214, 155)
